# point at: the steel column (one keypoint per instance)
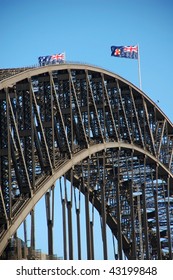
(118, 206)
(50, 219)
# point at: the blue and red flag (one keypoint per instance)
(51, 59)
(125, 51)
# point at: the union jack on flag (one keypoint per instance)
(125, 51)
(58, 57)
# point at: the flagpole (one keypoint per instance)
(139, 70)
(64, 57)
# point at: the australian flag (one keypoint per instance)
(51, 59)
(125, 51)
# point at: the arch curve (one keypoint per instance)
(55, 117)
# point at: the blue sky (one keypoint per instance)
(85, 30)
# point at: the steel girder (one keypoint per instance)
(104, 135)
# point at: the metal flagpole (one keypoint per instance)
(64, 56)
(139, 70)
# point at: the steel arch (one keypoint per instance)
(116, 141)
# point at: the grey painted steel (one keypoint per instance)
(49, 68)
(63, 169)
(106, 137)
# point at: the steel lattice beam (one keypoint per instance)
(106, 137)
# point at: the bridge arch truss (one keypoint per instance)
(106, 137)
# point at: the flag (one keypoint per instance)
(125, 51)
(58, 57)
(51, 59)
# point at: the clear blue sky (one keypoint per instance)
(85, 30)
